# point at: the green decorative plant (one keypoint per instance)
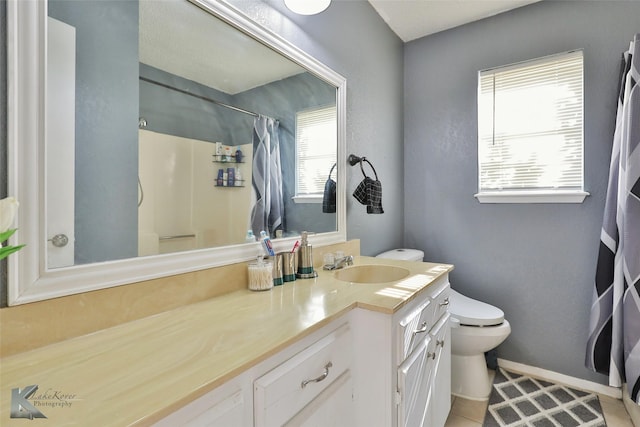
(8, 208)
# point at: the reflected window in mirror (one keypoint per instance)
(316, 143)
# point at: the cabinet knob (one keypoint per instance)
(324, 375)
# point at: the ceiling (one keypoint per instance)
(412, 19)
(180, 38)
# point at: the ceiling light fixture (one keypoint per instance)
(307, 7)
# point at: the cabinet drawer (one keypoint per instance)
(415, 325)
(440, 302)
(285, 390)
(413, 328)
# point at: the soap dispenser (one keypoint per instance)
(305, 259)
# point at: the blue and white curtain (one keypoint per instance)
(613, 347)
(266, 180)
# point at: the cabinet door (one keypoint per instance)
(332, 408)
(414, 377)
(209, 411)
(440, 402)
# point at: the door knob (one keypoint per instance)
(59, 240)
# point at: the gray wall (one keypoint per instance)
(106, 204)
(174, 113)
(353, 40)
(535, 261)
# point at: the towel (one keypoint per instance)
(329, 196)
(369, 191)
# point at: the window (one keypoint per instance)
(316, 151)
(530, 132)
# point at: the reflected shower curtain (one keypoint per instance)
(266, 180)
(613, 347)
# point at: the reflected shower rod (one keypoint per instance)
(204, 98)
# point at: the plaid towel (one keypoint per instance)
(369, 192)
(374, 191)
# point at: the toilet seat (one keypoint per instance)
(471, 312)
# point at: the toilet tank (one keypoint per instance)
(403, 254)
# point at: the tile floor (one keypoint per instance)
(470, 413)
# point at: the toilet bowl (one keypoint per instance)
(477, 327)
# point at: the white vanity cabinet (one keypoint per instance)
(411, 386)
(365, 368)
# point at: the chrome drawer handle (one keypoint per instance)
(431, 355)
(324, 375)
(423, 328)
(445, 302)
(440, 343)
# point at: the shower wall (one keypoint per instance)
(181, 208)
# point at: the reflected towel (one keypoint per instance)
(329, 195)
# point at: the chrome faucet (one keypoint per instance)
(339, 263)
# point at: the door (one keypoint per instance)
(60, 143)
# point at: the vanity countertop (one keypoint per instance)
(138, 372)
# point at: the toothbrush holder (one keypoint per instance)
(289, 266)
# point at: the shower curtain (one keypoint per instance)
(613, 347)
(266, 180)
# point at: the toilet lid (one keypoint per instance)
(473, 312)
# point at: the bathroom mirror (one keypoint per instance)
(138, 127)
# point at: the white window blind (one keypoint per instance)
(530, 126)
(316, 148)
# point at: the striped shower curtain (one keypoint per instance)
(613, 347)
(266, 179)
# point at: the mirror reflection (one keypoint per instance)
(169, 130)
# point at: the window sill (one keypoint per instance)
(308, 199)
(531, 196)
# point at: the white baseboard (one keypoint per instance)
(632, 407)
(558, 378)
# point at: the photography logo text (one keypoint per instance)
(28, 402)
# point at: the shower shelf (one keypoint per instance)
(232, 186)
(217, 158)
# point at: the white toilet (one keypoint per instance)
(477, 327)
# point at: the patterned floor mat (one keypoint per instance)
(520, 401)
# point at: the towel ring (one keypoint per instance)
(364, 159)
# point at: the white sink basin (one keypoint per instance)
(371, 274)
